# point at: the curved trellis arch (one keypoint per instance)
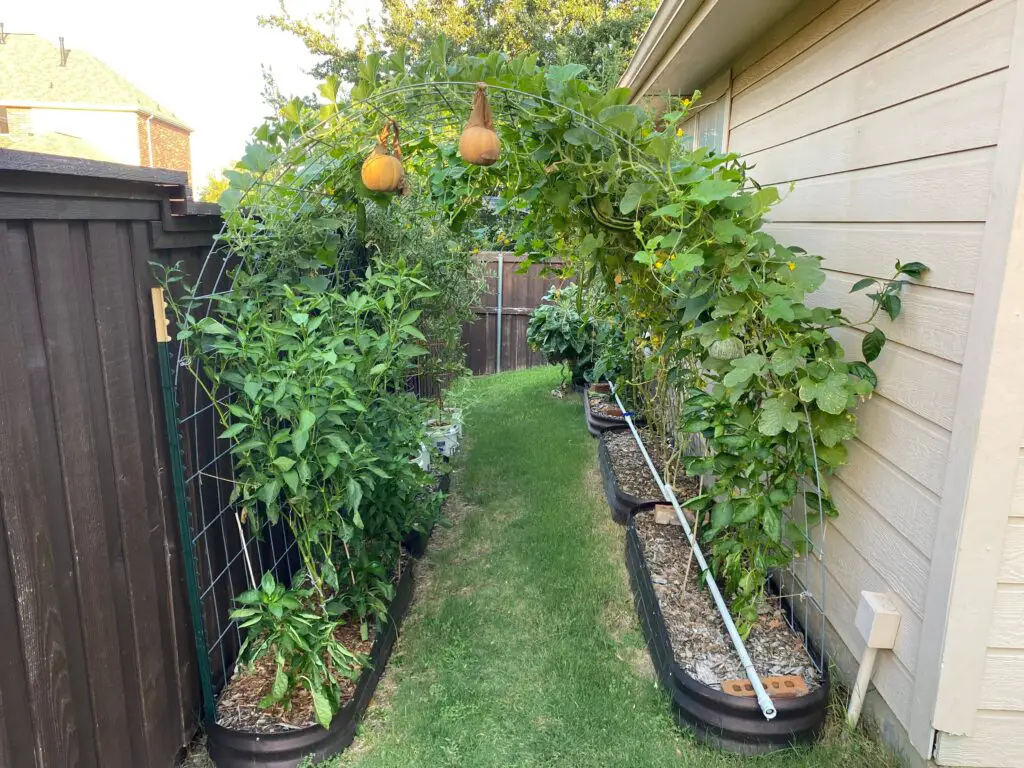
(310, 169)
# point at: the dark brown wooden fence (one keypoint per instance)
(521, 294)
(96, 660)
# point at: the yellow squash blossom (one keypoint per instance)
(791, 265)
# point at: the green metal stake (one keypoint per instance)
(163, 345)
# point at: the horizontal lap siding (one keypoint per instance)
(1001, 708)
(884, 115)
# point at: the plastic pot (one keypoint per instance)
(623, 504)
(731, 723)
(422, 459)
(444, 436)
(241, 749)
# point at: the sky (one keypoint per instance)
(199, 58)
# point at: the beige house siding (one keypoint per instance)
(886, 115)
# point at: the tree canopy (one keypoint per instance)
(599, 34)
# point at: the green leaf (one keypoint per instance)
(300, 439)
(913, 269)
(863, 283)
(252, 389)
(833, 456)
(745, 510)
(631, 198)
(306, 420)
(284, 463)
(779, 308)
(871, 345)
(625, 117)
(806, 273)
(830, 395)
(687, 262)
(785, 361)
(833, 429)
(212, 327)
(321, 705)
(712, 190)
(771, 522)
(577, 136)
(564, 73)
(292, 479)
(355, 405)
(280, 682)
(721, 515)
(743, 369)
(726, 230)
(269, 490)
(233, 430)
(777, 414)
(863, 371)
(892, 304)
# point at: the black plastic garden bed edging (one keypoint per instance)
(598, 423)
(240, 749)
(731, 723)
(623, 504)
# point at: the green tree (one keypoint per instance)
(216, 183)
(600, 34)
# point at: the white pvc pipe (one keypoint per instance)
(501, 273)
(763, 699)
(860, 687)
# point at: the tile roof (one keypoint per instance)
(53, 144)
(30, 72)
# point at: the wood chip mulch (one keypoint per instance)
(238, 706)
(699, 640)
(631, 471)
(605, 406)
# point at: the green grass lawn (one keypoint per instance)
(522, 648)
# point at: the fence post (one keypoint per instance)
(163, 343)
(501, 272)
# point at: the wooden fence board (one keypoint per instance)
(522, 292)
(97, 665)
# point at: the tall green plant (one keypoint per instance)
(714, 308)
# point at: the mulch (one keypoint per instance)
(631, 471)
(238, 706)
(699, 640)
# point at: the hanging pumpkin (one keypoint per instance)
(479, 144)
(383, 170)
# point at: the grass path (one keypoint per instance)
(522, 648)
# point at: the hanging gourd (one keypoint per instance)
(479, 144)
(382, 169)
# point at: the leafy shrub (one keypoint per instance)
(563, 335)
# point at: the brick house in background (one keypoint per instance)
(66, 102)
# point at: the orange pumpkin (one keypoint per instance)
(479, 144)
(382, 171)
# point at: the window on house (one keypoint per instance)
(710, 125)
(4, 124)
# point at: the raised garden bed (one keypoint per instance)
(231, 748)
(627, 479)
(656, 558)
(602, 413)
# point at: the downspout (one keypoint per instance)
(148, 137)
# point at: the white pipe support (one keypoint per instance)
(764, 701)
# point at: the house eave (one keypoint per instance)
(164, 118)
(690, 41)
